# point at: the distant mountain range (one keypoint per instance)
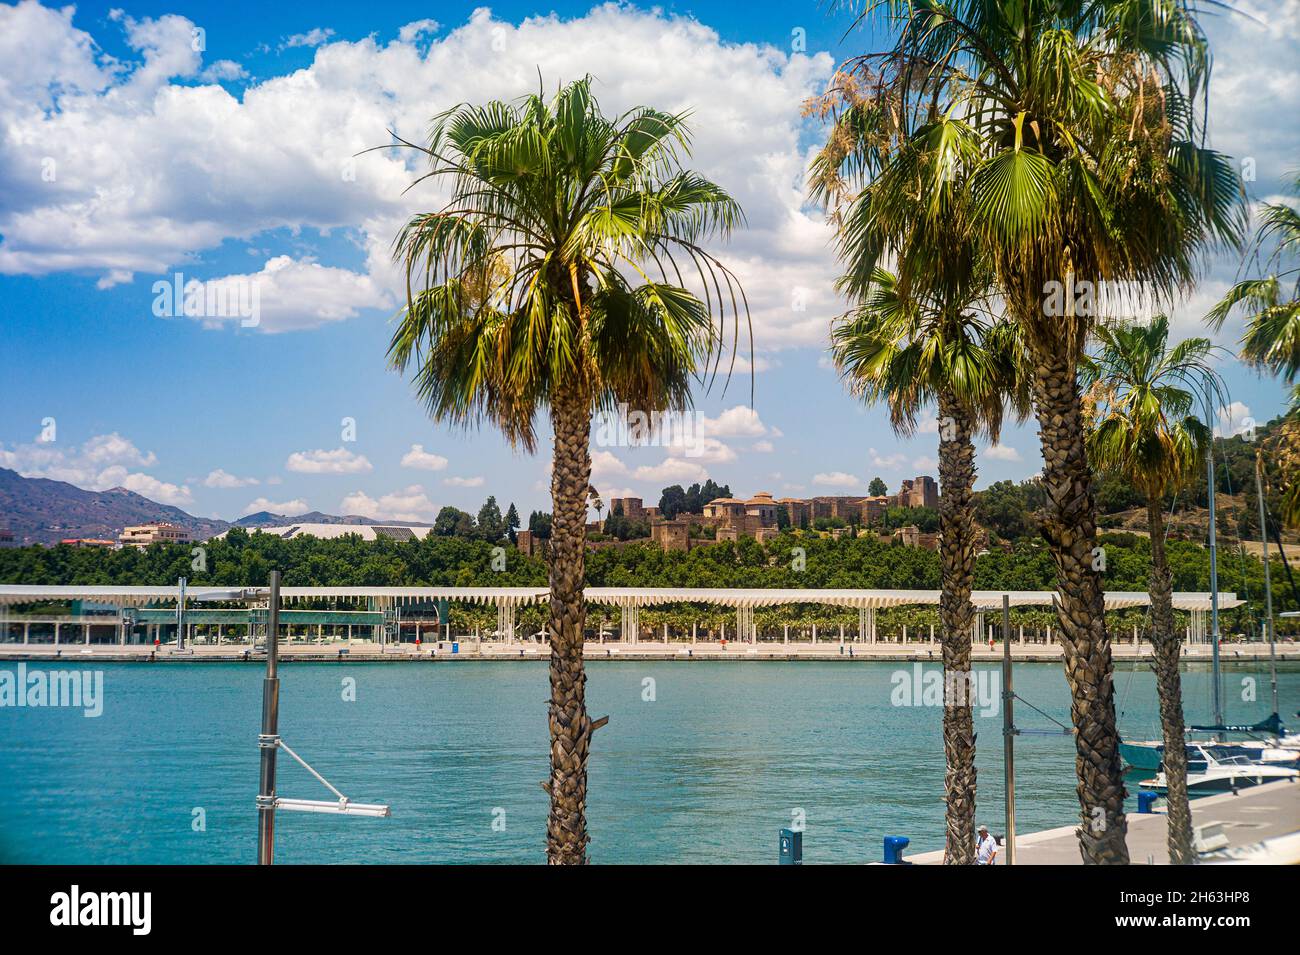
(41, 511)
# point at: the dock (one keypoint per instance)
(1246, 817)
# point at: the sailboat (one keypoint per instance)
(1277, 750)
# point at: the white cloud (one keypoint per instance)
(740, 421)
(924, 463)
(412, 31)
(463, 481)
(220, 478)
(764, 447)
(674, 470)
(409, 504)
(1234, 419)
(157, 163)
(423, 460)
(314, 37)
(890, 462)
(837, 479)
(709, 451)
(102, 462)
(1002, 452)
(287, 508)
(154, 489)
(606, 464)
(338, 461)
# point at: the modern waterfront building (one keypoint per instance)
(385, 615)
(159, 532)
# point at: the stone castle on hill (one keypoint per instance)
(757, 517)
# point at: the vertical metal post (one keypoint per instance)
(269, 740)
(1268, 583)
(180, 613)
(1008, 732)
(1214, 595)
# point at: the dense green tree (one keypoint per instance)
(877, 488)
(491, 526)
(453, 522)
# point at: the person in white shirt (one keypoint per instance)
(986, 849)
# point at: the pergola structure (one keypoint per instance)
(384, 605)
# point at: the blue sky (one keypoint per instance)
(130, 156)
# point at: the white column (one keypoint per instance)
(931, 634)
(694, 630)
(904, 634)
(814, 634)
(1022, 634)
(665, 631)
(785, 633)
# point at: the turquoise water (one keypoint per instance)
(724, 756)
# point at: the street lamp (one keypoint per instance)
(269, 742)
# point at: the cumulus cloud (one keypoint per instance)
(837, 479)
(890, 462)
(314, 37)
(338, 461)
(220, 478)
(160, 117)
(178, 495)
(740, 421)
(463, 481)
(1234, 419)
(408, 504)
(101, 462)
(1002, 452)
(423, 460)
(674, 470)
(287, 508)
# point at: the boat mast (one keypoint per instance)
(1214, 592)
(1268, 583)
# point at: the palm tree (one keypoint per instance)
(1142, 404)
(519, 298)
(1074, 128)
(910, 354)
(1272, 337)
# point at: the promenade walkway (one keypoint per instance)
(1247, 817)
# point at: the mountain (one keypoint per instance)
(41, 511)
(268, 519)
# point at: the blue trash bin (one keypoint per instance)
(1146, 801)
(455, 646)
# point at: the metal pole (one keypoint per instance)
(1214, 595)
(269, 739)
(1268, 583)
(1008, 733)
(180, 613)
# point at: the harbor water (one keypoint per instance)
(701, 762)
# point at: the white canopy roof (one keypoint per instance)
(612, 596)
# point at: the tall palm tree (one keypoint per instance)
(1142, 404)
(520, 298)
(1076, 128)
(910, 354)
(1272, 336)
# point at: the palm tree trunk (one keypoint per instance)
(957, 562)
(1069, 525)
(571, 728)
(1167, 647)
